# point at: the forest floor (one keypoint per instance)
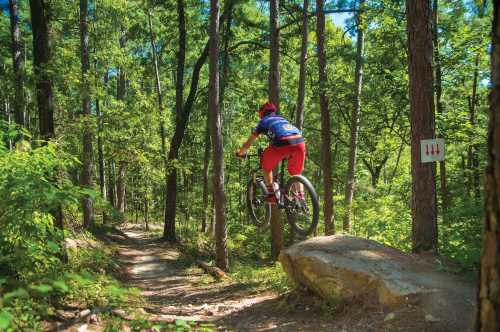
(175, 289)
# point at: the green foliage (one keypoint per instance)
(30, 244)
(85, 281)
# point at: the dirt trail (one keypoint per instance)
(174, 289)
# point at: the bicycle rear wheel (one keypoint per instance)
(302, 212)
(258, 208)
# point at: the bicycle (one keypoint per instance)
(302, 213)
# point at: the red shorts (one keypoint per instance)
(295, 153)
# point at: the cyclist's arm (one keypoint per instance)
(244, 148)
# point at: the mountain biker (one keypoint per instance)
(286, 142)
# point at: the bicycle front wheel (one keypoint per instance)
(258, 208)
(302, 205)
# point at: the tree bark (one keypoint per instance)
(424, 212)
(18, 65)
(111, 183)
(171, 197)
(472, 149)
(181, 120)
(356, 110)
(120, 95)
(206, 171)
(326, 151)
(120, 187)
(488, 313)
(40, 12)
(86, 177)
(216, 134)
(299, 114)
(100, 149)
(274, 97)
(7, 117)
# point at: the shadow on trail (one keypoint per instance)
(174, 288)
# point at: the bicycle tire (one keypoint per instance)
(309, 190)
(265, 219)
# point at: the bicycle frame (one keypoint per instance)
(283, 198)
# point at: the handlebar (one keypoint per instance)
(248, 155)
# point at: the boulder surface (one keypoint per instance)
(343, 267)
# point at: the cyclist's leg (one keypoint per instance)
(270, 159)
(296, 165)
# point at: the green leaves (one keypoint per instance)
(5, 320)
(42, 289)
(61, 286)
(18, 293)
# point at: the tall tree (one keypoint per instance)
(355, 115)
(86, 178)
(40, 12)
(18, 64)
(424, 212)
(171, 197)
(299, 113)
(216, 135)
(120, 95)
(274, 97)
(100, 144)
(326, 150)
(488, 313)
(183, 111)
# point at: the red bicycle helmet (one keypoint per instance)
(266, 108)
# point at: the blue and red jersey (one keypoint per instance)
(279, 130)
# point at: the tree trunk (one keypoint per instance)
(326, 151)
(424, 214)
(40, 13)
(120, 187)
(274, 97)
(206, 171)
(216, 134)
(472, 149)
(41, 57)
(100, 151)
(353, 144)
(299, 114)
(181, 120)
(86, 178)
(18, 64)
(120, 95)
(7, 116)
(171, 198)
(488, 313)
(111, 183)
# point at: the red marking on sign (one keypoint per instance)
(432, 149)
(427, 149)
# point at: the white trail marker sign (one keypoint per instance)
(432, 150)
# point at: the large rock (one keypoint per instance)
(343, 267)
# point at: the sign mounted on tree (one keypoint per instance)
(432, 150)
